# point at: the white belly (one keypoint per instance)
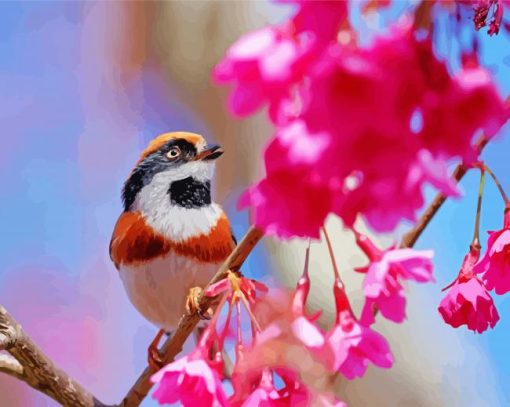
(158, 289)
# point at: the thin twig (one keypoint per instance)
(332, 257)
(174, 344)
(498, 184)
(410, 238)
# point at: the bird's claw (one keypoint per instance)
(154, 357)
(193, 305)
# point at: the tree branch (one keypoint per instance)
(27, 362)
(173, 345)
(10, 366)
(410, 238)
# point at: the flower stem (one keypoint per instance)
(306, 273)
(224, 332)
(498, 184)
(303, 286)
(239, 344)
(476, 235)
(212, 325)
(332, 257)
(250, 313)
(410, 238)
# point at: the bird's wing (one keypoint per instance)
(135, 241)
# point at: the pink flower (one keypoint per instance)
(289, 342)
(290, 203)
(338, 149)
(293, 326)
(297, 394)
(382, 285)
(293, 176)
(187, 380)
(496, 263)
(247, 286)
(262, 397)
(482, 8)
(468, 301)
(354, 345)
(404, 175)
(263, 64)
(469, 103)
(319, 18)
(265, 395)
(395, 148)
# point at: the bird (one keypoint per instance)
(171, 238)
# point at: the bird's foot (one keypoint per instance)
(154, 357)
(193, 304)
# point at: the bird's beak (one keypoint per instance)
(210, 153)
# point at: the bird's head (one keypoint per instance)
(176, 167)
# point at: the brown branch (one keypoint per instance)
(410, 238)
(28, 363)
(173, 345)
(10, 366)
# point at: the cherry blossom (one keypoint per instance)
(496, 263)
(329, 157)
(187, 380)
(265, 394)
(382, 286)
(353, 344)
(322, 19)
(468, 302)
(263, 64)
(482, 8)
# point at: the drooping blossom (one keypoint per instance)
(196, 376)
(468, 302)
(470, 103)
(264, 395)
(290, 344)
(353, 344)
(382, 286)
(394, 148)
(495, 265)
(295, 393)
(319, 19)
(263, 64)
(187, 380)
(269, 200)
(482, 9)
(288, 325)
(293, 175)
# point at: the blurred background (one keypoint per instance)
(83, 88)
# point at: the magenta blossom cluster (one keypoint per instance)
(290, 359)
(355, 126)
(482, 10)
(468, 301)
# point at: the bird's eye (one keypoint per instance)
(173, 153)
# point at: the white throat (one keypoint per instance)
(177, 222)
